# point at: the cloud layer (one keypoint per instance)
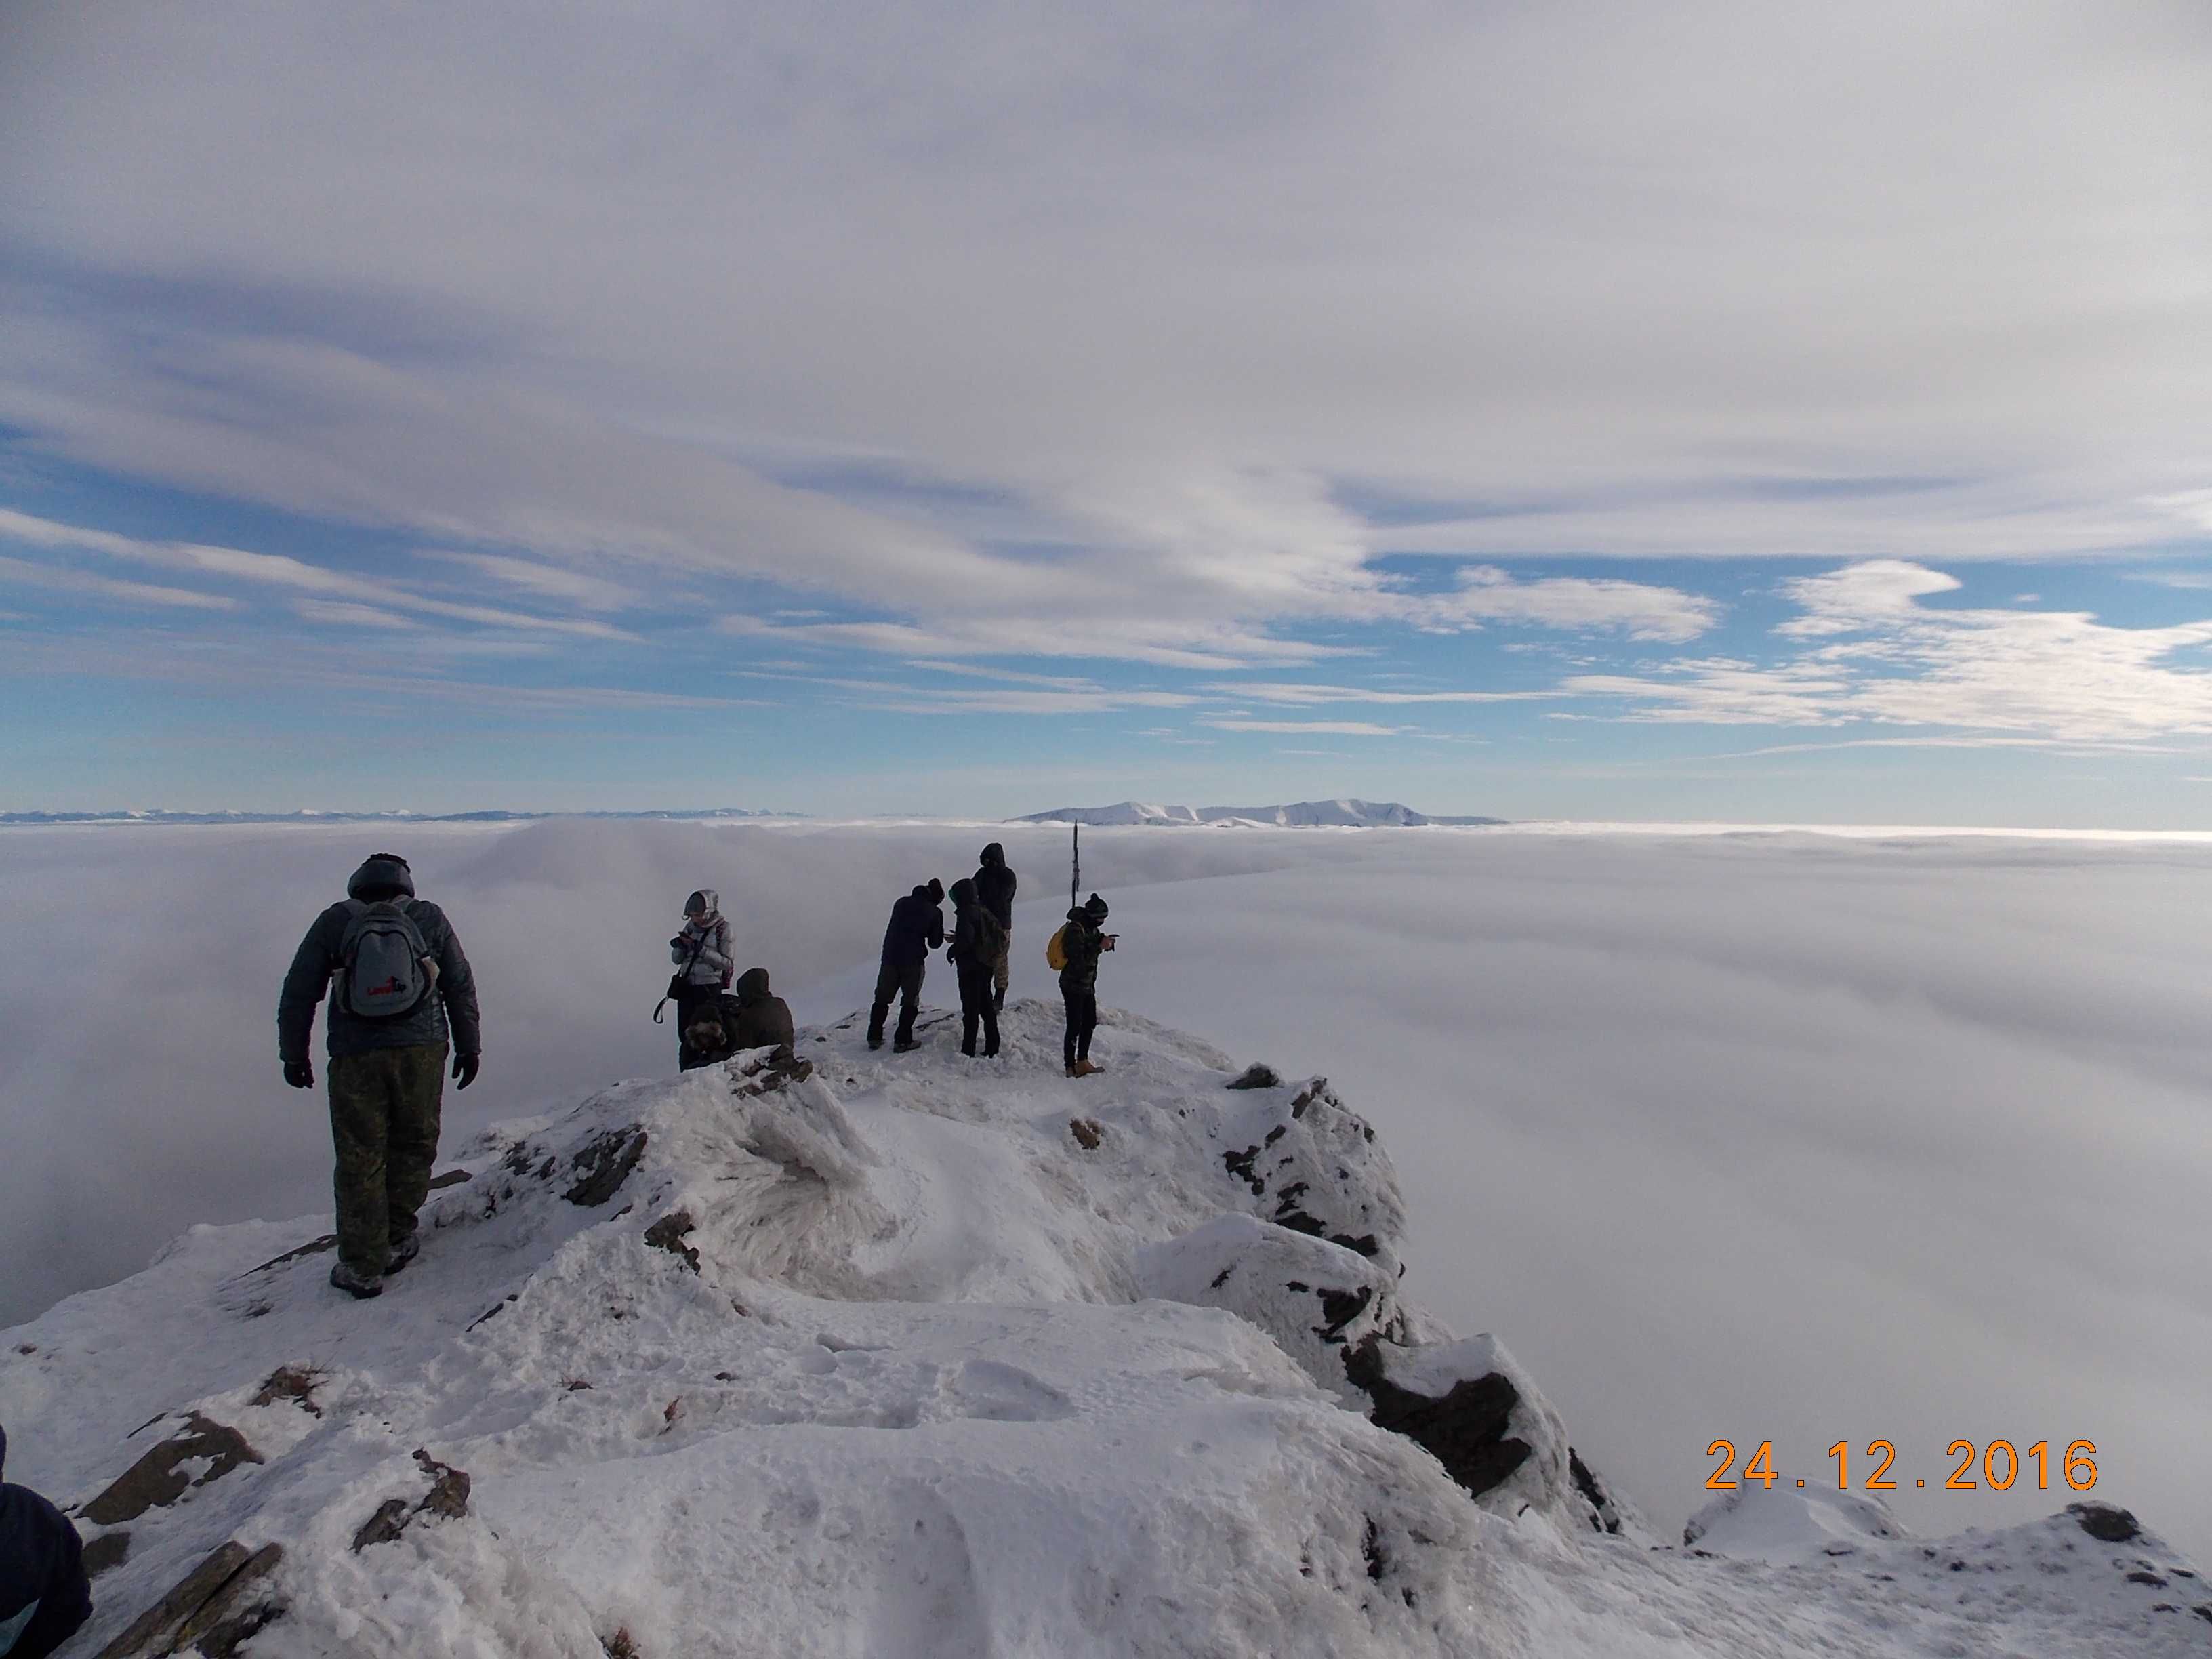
(1728, 1137)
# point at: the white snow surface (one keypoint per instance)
(908, 1401)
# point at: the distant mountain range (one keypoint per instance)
(1299, 815)
(311, 816)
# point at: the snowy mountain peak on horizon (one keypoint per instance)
(1344, 813)
(862, 1353)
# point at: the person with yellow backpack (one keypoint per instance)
(1075, 951)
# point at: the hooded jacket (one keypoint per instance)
(44, 1593)
(452, 999)
(762, 1021)
(978, 936)
(709, 935)
(1081, 942)
(917, 927)
(994, 884)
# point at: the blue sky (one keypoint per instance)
(963, 409)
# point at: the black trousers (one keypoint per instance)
(976, 1003)
(903, 980)
(694, 997)
(1082, 1021)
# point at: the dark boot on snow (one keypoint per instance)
(355, 1283)
(403, 1250)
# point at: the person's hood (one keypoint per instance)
(707, 896)
(4, 1451)
(994, 857)
(1081, 917)
(964, 892)
(932, 890)
(379, 871)
(752, 985)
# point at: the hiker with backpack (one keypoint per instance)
(979, 943)
(45, 1594)
(397, 980)
(1075, 950)
(700, 951)
(994, 885)
(916, 928)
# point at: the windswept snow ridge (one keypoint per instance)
(921, 1355)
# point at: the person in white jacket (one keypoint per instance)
(703, 959)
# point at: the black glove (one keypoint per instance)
(299, 1074)
(465, 1069)
(676, 944)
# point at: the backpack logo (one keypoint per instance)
(386, 969)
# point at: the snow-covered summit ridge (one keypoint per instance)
(1340, 814)
(910, 1354)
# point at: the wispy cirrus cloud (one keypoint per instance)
(1877, 652)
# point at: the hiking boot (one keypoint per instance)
(403, 1250)
(875, 1039)
(355, 1283)
(1084, 1068)
(904, 1046)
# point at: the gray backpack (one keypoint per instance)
(385, 965)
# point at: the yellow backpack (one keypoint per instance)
(1055, 950)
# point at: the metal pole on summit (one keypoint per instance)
(1075, 869)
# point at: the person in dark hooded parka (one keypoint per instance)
(1082, 942)
(397, 981)
(994, 885)
(978, 940)
(45, 1595)
(759, 1019)
(917, 927)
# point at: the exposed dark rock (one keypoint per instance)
(2105, 1522)
(213, 1588)
(450, 1178)
(1257, 1075)
(1086, 1131)
(1464, 1431)
(1339, 1307)
(110, 1549)
(296, 1383)
(668, 1234)
(1605, 1513)
(2150, 1578)
(603, 1164)
(1307, 1096)
(154, 1481)
(1239, 1164)
(1222, 1278)
(622, 1645)
(382, 1528)
(448, 1498)
(1370, 1545)
(312, 1247)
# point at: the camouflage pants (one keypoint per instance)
(384, 1125)
(998, 965)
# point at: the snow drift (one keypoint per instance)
(849, 1353)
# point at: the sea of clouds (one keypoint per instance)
(1784, 1137)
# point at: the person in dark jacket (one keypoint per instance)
(978, 941)
(761, 1020)
(45, 1595)
(388, 1071)
(917, 927)
(1083, 942)
(994, 885)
